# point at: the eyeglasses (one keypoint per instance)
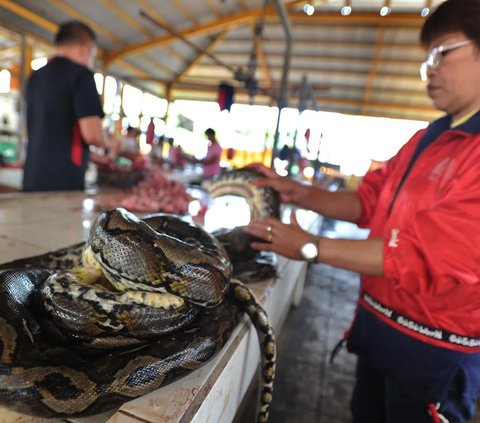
(435, 56)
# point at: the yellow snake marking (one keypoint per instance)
(270, 348)
(89, 258)
(151, 299)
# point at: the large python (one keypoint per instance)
(74, 347)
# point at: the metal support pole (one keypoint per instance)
(282, 102)
(25, 71)
(302, 101)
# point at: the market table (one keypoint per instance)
(32, 224)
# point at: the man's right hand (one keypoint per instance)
(112, 145)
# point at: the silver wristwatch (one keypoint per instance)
(309, 251)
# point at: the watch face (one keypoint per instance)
(309, 251)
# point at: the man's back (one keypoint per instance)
(57, 96)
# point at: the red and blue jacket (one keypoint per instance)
(419, 323)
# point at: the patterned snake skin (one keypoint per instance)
(153, 301)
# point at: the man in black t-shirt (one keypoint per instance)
(64, 114)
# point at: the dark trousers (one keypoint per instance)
(376, 399)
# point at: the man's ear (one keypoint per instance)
(87, 51)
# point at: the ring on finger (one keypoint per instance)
(269, 228)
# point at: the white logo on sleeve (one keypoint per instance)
(393, 241)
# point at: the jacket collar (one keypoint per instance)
(471, 126)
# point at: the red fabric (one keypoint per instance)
(432, 236)
(225, 96)
(77, 147)
(434, 413)
(150, 132)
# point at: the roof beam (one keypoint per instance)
(203, 29)
(316, 71)
(374, 65)
(293, 87)
(246, 16)
(327, 58)
(214, 41)
(157, 65)
(53, 27)
(214, 8)
(164, 40)
(413, 20)
(125, 17)
(109, 4)
(28, 15)
(109, 35)
(185, 10)
(146, 5)
(323, 43)
(74, 13)
(135, 70)
(320, 99)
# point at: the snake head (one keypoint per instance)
(262, 201)
(164, 255)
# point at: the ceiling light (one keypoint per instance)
(425, 12)
(385, 10)
(309, 9)
(346, 10)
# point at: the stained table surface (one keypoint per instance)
(32, 224)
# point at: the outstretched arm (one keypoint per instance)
(338, 205)
(93, 134)
(363, 256)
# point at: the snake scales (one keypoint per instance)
(75, 349)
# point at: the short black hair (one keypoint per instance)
(74, 32)
(210, 132)
(452, 16)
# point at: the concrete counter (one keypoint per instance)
(33, 224)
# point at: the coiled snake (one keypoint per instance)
(152, 301)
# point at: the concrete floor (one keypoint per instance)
(308, 388)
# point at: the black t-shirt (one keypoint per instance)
(57, 96)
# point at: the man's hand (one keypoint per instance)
(101, 159)
(112, 145)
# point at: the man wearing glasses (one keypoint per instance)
(416, 329)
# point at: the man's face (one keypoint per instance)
(454, 84)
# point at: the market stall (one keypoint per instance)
(36, 223)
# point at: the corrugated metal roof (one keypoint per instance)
(363, 63)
